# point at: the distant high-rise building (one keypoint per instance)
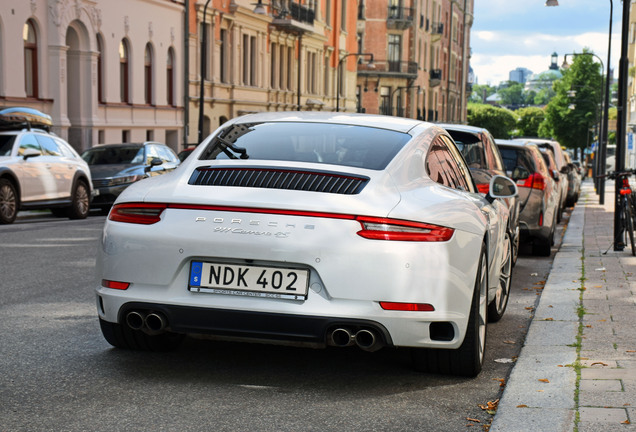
(519, 75)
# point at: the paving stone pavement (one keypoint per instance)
(577, 368)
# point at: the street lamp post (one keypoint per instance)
(370, 55)
(204, 48)
(621, 122)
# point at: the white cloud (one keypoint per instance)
(496, 53)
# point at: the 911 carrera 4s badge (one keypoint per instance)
(245, 280)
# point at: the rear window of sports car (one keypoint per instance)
(336, 144)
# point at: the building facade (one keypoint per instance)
(107, 71)
(173, 71)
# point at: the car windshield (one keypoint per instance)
(356, 146)
(6, 144)
(114, 155)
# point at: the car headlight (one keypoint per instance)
(124, 180)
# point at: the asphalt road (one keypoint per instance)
(58, 373)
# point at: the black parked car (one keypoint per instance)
(116, 166)
(484, 160)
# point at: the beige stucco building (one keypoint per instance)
(172, 71)
(107, 71)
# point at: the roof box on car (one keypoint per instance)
(21, 117)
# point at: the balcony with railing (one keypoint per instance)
(435, 77)
(292, 16)
(399, 17)
(437, 30)
(388, 68)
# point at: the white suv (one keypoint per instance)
(40, 170)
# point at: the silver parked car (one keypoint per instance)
(538, 193)
(561, 169)
(39, 170)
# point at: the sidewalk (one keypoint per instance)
(577, 368)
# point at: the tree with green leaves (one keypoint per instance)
(512, 93)
(499, 121)
(576, 106)
(480, 92)
(529, 120)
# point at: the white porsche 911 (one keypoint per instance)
(314, 229)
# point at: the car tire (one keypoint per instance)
(122, 336)
(468, 359)
(8, 202)
(81, 202)
(497, 307)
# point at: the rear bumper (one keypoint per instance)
(253, 325)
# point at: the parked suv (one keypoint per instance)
(38, 169)
(484, 160)
(538, 193)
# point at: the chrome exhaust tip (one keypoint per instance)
(135, 320)
(367, 340)
(341, 337)
(155, 323)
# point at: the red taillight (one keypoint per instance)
(483, 187)
(541, 219)
(414, 307)
(115, 284)
(534, 181)
(400, 230)
(137, 213)
(626, 189)
(372, 227)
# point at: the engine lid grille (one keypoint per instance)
(279, 178)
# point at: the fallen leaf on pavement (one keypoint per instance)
(522, 406)
(599, 363)
(626, 422)
(509, 342)
(544, 380)
(548, 319)
(473, 420)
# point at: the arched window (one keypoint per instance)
(30, 60)
(100, 69)
(124, 72)
(148, 60)
(170, 78)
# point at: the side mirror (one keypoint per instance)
(30, 153)
(555, 175)
(520, 173)
(153, 163)
(501, 187)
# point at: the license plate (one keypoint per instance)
(248, 280)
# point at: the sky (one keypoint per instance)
(507, 34)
